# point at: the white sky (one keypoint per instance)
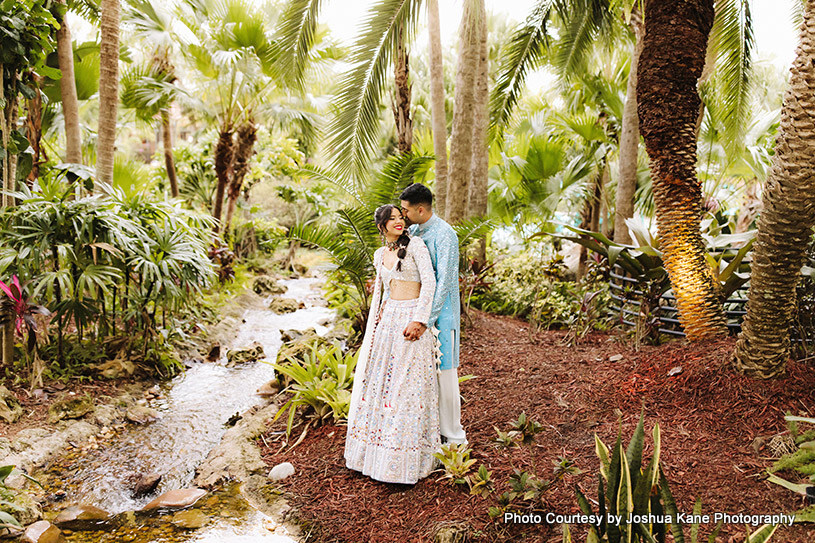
(776, 37)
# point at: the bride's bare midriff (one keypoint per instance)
(405, 290)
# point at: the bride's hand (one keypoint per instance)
(414, 331)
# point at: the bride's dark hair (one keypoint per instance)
(382, 215)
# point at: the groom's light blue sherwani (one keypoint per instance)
(442, 243)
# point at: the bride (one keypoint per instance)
(393, 420)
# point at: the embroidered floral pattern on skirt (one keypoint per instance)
(396, 428)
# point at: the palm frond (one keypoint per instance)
(582, 21)
(732, 43)
(471, 229)
(399, 172)
(524, 52)
(296, 33)
(353, 131)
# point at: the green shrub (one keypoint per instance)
(322, 381)
(536, 290)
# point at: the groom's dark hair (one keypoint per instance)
(417, 194)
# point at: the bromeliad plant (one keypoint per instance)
(322, 381)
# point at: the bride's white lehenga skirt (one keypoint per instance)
(395, 430)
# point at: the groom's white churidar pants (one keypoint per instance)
(450, 404)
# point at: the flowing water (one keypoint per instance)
(194, 408)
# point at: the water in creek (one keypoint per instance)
(194, 408)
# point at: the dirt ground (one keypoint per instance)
(710, 418)
(35, 403)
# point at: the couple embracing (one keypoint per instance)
(405, 399)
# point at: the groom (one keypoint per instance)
(442, 243)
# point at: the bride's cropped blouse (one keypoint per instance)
(416, 267)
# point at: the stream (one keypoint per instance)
(194, 408)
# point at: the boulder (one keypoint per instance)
(270, 388)
(241, 356)
(115, 369)
(83, 517)
(141, 414)
(70, 407)
(300, 345)
(22, 506)
(285, 305)
(265, 285)
(281, 471)
(176, 499)
(189, 520)
(10, 408)
(146, 484)
(42, 532)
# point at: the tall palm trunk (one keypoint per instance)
(245, 147)
(401, 101)
(671, 62)
(224, 150)
(33, 124)
(67, 87)
(461, 144)
(479, 180)
(169, 161)
(629, 141)
(108, 89)
(438, 116)
(785, 223)
(8, 122)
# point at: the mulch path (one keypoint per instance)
(709, 417)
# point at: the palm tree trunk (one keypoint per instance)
(672, 60)
(33, 123)
(401, 101)
(224, 150)
(480, 166)
(8, 122)
(67, 87)
(108, 90)
(245, 147)
(629, 141)
(785, 223)
(438, 116)
(461, 144)
(169, 162)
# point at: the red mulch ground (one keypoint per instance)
(709, 417)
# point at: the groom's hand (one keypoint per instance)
(414, 330)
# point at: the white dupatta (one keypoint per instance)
(367, 340)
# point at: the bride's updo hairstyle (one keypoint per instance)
(382, 215)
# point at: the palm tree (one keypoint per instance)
(234, 58)
(437, 112)
(153, 27)
(401, 95)
(785, 224)
(671, 63)
(108, 90)
(629, 140)
(246, 135)
(150, 92)
(480, 162)
(67, 85)
(461, 139)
